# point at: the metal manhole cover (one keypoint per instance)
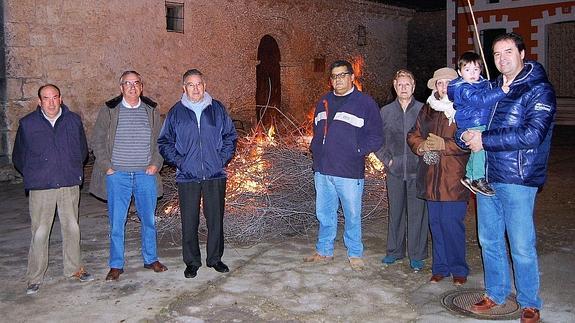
(460, 301)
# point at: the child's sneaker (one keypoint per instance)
(467, 183)
(481, 186)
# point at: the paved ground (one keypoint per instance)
(268, 281)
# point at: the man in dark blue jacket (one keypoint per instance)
(199, 138)
(347, 127)
(517, 141)
(49, 151)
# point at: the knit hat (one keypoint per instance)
(442, 73)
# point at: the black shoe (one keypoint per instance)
(220, 267)
(481, 186)
(191, 271)
(32, 289)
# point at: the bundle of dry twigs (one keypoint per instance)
(270, 192)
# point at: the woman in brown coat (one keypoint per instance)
(441, 165)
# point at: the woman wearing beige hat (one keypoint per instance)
(441, 165)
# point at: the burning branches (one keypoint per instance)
(270, 191)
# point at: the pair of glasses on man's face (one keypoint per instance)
(131, 83)
(339, 76)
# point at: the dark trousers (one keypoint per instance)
(212, 194)
(407, 214)
(446, 220)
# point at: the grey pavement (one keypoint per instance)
(268, 281)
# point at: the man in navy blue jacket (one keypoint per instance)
(347, 127)
(199, 138)
(49, 151)
(517, 142)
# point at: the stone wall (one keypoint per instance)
(3, 126)
(83, 46)
(426, 46)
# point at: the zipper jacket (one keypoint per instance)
(439, 182)
(340, 143)
(50, 157)
(518, 136)
(199, 153)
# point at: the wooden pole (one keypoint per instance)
(478, 40)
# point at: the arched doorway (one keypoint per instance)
(268, 88)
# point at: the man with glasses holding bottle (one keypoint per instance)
(127, 164)
(347, 127)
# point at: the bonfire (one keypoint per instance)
(270, 191)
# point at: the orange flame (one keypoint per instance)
(249, 166)
(263, 137)
(357, 63)
(271, 132)
(310, 115)
(249, 174)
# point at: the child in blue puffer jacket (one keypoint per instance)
(473, 97)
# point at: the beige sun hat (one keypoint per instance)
(442, 73)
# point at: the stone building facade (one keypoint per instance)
(426, 48)
(83, 46)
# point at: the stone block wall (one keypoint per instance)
(83, 46)
(426, 47)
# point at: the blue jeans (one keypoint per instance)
(511, 211)
(121, 186)
(446, 221)
(330, 190)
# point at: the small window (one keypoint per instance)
(319, 64)
(175, 17)
(361, 35)
(493, 1)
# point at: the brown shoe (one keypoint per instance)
(316, 257)
(458, 280)
(356, 263)
(484, 305)
(530, 315)
(157, 266)
(114, 274)
(436, 278)
(83, 276)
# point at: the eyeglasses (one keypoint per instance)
(339, 76)
(194, 85)
(131, 83)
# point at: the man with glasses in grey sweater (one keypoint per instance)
(127, 164)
